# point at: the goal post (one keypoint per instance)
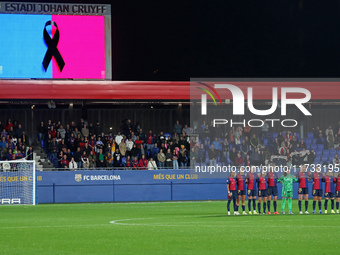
(18, 182)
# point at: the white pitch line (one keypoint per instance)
(56, 226)
(192, 224)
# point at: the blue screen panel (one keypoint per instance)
(22, 47)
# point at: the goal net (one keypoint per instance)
(17, 182)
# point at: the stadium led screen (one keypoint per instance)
(54, 46)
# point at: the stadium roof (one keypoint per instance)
(147, 90)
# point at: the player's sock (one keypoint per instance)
(249, 205)
(268, 203)
(332, 204)
(314, 205)
(306, 205)
(254, 204)
(300, 203)
(337, 205)
(275, 205)
(243, 208)
(319, 204)
(264, 207)
(326, 204)
(259, 207)
(290, 204)
(235, 206)
(283, 204)
(228, 205)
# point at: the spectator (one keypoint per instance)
(85, 160)
(118, 138)
(85, 131)
(64, 162)
(154, 151)
(247, 130)
(30, 153)
(128, 162)
(247, 160)
(72, 165)
(117, 158)
(329, 129)
(62, 132)
(311, 155)
(53, 148)
(254, 142)
(225, 148)
(174, 159)
(183, 158)
(99, 145)
(161, 138)
(336, 159)
(255, 158)
(143, 163)
(129, 145)
(142, 136)
(101, 158)
(239, 160)
(212, 154)
(216, 143)
(283, 149)
(77, 157)
(303, 145)
(8, 125)
(178, 128)
(187, 130)
(150, 140)
(122, 148)
(336, 141)
(152, 164)
(109, 159)
(93, 160)
(168, 161)
(193, 157)
(233, 155)
(201, 154)
(262, 158)
(52, 132)
(330, 138)
(134, 152)
(316, 132)
(161, 159)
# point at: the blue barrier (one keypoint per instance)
(119, 186)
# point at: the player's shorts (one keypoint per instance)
(241, 192)
(273, 191)
(317, 192)
(303, 191)
(233, 195)
(337, 193)
(287, 193)
(330, 194)
(252, 193)
(263, 193)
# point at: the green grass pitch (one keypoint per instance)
(162, 228)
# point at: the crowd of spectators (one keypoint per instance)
(247, 146)
(14, 142)
(84, 145)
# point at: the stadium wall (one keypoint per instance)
(128, 186)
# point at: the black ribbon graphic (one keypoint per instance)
(52, 47)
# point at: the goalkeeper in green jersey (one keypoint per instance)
(287, 189)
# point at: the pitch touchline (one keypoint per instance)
(189, 224)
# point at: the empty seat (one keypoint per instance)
(310, 135)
